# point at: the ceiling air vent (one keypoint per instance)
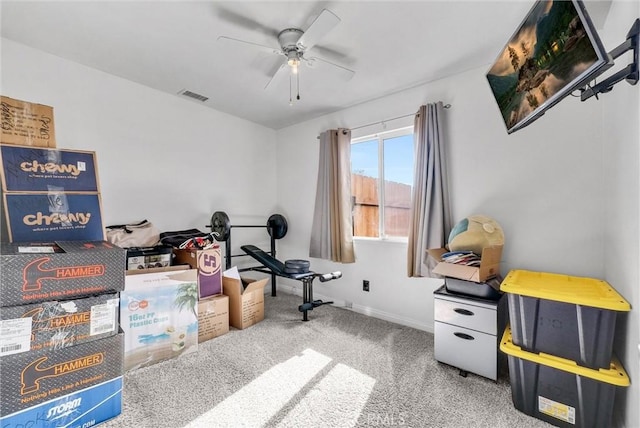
(193, 95)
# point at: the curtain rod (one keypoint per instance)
(387, 120)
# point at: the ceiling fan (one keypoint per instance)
(295, 45)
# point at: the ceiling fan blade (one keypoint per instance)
(318, 29)
(344, 72)
(245, 22)
(334, 54)
(283, 69)
(238, 42)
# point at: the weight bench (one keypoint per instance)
(278, 268)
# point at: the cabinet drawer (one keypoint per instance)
(465, 315)
(466, 349)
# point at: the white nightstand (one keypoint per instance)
(467, 332)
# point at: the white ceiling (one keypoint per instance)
(172, 45)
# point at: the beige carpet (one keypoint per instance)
(340, 369)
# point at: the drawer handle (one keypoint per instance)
(463, 311)
(464, 336)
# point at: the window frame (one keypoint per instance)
(380, 137)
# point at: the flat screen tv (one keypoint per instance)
(553, 52)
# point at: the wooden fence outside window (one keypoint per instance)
(366, 207)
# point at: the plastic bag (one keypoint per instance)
(142, 234)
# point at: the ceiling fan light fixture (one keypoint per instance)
(293, 58)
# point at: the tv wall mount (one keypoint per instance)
(630, 73)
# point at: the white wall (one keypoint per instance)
(160, 157)
(565, 189)
(621, 156)
(543, 184)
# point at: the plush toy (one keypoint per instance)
(474, 233)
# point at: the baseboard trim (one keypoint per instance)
(364, 310)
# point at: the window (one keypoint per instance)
(381, 183)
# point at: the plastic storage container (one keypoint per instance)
(559, 391)
(566, 316)
(149, 257)
(484, 290)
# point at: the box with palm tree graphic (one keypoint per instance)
(159, 315)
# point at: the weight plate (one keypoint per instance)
(277, 226)
(220, 225)
(297, 264)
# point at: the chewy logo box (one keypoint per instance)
(159, 315)
(53, 216)
(38, 272)
(57, 324)
(209, 263)
(30, 169)
(33, 383)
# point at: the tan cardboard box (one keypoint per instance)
(246, 307)
(213, 317)
(26, 124)
(489, 265)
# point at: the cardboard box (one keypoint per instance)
(172, 268)
(149, 257)
(209, 265)
(246, 306)
(54, 216)
(33, 169)
(57, 324)
(26, 124)
(86, 408)
(213, 317)
(39, 272)
(489, 265)
(36, 386)
(159, 315)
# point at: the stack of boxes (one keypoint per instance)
(50, 194)
(61, 350)
(213, 306)
(167, 312)
(559, 346)
(224, 299)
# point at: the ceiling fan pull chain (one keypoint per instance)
(298, 83)
(290, 83)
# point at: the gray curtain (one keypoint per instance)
(430, 213)
(332, 230)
